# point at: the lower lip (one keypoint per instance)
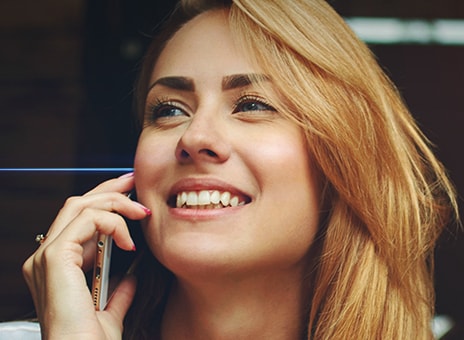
(204, 214)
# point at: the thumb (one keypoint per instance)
(122, 298)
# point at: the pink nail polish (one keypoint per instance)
(144, 208)
(130, 174)
(134, 248)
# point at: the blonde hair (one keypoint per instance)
(386, 194)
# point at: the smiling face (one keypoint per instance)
(228, 178)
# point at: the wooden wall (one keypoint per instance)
(40, 99)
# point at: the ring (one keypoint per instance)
(40, 238)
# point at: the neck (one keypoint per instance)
(264, 306)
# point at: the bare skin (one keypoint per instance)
(64, 304)
(240, 269)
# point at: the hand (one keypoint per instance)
(54, 273)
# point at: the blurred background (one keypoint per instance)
(66, 74)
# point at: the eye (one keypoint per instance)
(252, 103)
(165, 109)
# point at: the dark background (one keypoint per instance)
(66, 75)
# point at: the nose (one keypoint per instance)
(203, 140)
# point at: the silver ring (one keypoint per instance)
(40, 238)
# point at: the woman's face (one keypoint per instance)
(228, 178)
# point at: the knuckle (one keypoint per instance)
(107, 221)
(87, 212)
(48, 255)
(73, 202)
(97, 217)
(116, 220)
(27, 267)
(110, 221)
(98, 220)
(114, 200)
(119, 220)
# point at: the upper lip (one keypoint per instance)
(199, 184)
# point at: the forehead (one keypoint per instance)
(203, 47)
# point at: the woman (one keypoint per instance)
(287, 192)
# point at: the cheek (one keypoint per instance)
(285, 172)
(281, 156)
(152, 156)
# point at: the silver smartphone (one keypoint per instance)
(101, 268)
(101, 271)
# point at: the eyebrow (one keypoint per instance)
(176, 83)
(228, 82)
(242, 80)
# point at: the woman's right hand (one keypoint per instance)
(55, 272)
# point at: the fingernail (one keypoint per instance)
(130, 174)
(144, 208)
(134, 248)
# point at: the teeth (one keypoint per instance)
(192, 198)
(225, 198)
(181, 199)
(207, 199)
(203, 198)
(234, 201)
(215, 197)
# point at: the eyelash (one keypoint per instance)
(251, 98)
(155, 110)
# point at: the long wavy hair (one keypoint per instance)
(386, 194)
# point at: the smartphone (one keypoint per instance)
(101, 271)
(102, 265)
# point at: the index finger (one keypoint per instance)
(122, 184)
